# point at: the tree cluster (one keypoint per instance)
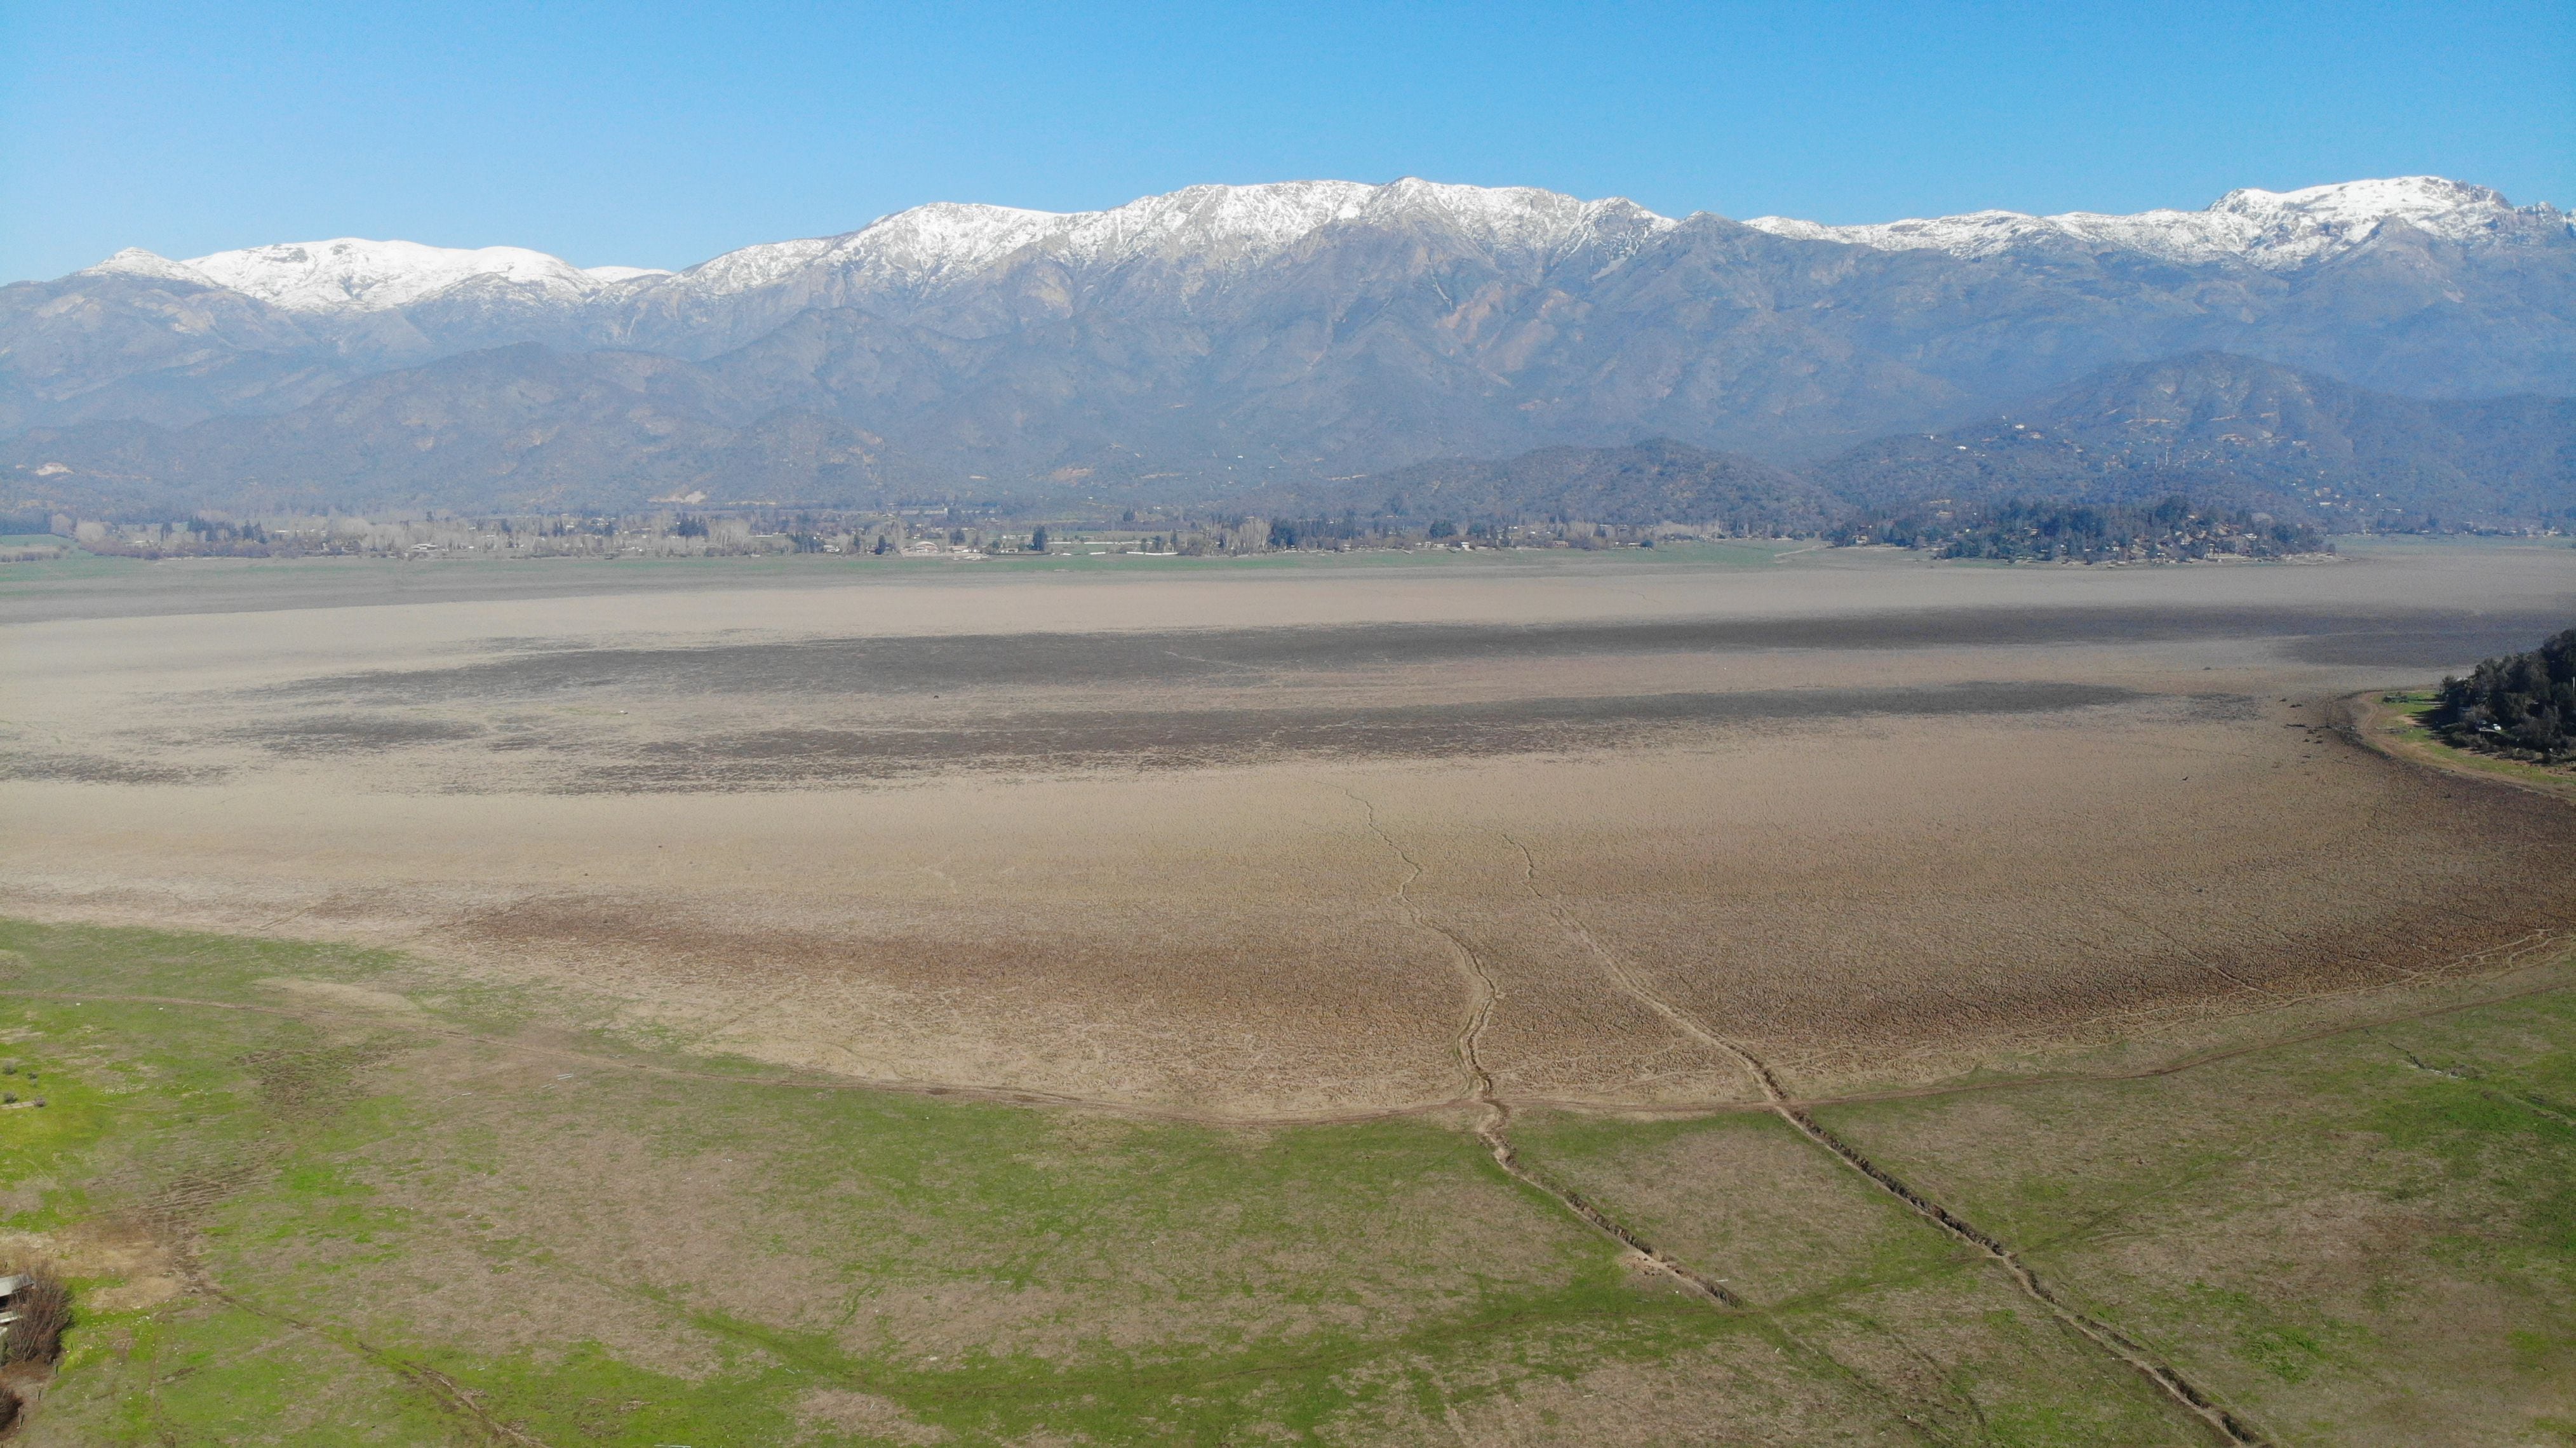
(2174, 530)
(2521, 704)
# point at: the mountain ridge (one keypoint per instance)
(1217, 339)
(2219, 428)
(2269, 228)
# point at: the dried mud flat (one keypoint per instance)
(1271, 846)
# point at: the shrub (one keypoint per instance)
(44, 1308)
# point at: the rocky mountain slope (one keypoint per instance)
(2222, 429)
(1219, 338)
(2233, 429)
(512, 429)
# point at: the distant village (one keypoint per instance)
(929, 531)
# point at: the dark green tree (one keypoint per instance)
(2516, 703)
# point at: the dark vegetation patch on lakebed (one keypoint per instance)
(921, 663)
(339, 733)
(1193, 738)
(65, 767)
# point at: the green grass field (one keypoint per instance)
(315, 1195)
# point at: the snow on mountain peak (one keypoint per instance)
(352, 274)
(1211, 226)
(1218, 223)
(135, 261)
(1254, 223)
(2359, 203)
(1523, 218)
(1214, 229)
(2270, 229)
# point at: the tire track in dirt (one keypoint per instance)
(1493, 1126)
(2169, 938)
(1481, 993)
(1494, 1116)
(2111, 1340)
(441, 1389)
(2118, 1344)
(2465, 1073)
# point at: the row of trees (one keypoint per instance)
(2521, 704)
(2175, 529)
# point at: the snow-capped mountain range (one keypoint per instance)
(2275, 230)
(1221, 228)
(1218, 337)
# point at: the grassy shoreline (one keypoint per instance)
(2393, 723)
(370, 1209)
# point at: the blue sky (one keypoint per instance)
(661, 135)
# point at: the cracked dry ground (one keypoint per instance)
(1525, 854)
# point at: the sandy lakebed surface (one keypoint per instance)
(1272, 843)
